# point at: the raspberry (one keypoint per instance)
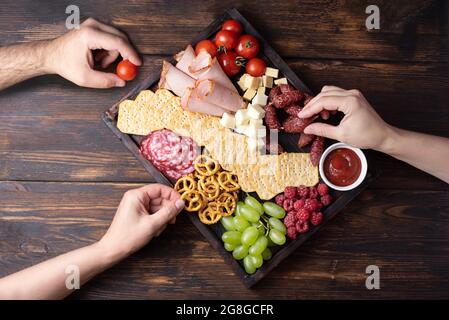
(291, 232)
(303, 192)
(288, 205)
(298, 204)
(313, 193)
(323, 189)
(311, 205)
(290, 192)
(316, 218)
(290, 219)
(326, 200)
(302, 215)
(279, 199)
(302, 227)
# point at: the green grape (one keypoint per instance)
(277, 237)
(253, 203)
(259, 246)
(272, 209)
(240, 252)
(228, 223)
(240, 223)
(229, 247)
(266, 254)
(257, 260)
(249, 213)
(248, 265)
(231, 237)
(249, 236)
(237, 209)
(277, 224)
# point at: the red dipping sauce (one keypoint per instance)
(342, 167)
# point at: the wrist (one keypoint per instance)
(110, 254)
(48, 53)
(389, 142)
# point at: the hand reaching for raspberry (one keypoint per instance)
(361, 126)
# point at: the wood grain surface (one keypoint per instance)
(62, 173)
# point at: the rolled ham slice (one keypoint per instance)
(201, 63)
(190, 101)
(216, 73)
(184, 59)
(212, 92)
(175, 80)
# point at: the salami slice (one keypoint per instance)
(170, 153)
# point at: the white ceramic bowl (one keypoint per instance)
(363, 170)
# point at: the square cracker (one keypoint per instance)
(144, 97)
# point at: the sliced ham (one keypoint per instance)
(191, 102)
(201, 63)
(216, 73)
(174, 79)
(184, 59)
(213, 92)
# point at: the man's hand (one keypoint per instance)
(361, 126)
(142, 215)
(71, 55)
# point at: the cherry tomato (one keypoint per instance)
(256, 67)
(233, 25)
(206, 45)
(126, 70)
(248, 46)
(226, 39)
(230, 63)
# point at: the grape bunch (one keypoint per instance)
(254, 228)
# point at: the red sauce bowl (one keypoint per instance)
(343, 167)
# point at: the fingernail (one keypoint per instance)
(179, 204)
(121, 83)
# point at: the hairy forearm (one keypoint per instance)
(23, 61)
(47, 280)
(426, 152)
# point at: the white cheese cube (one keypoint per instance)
(281, 81)
(242, 129)
(272, 72)
(255, 144)
(227, 120)
(241, 117)
(261, 90)
(252, 82)
(267, 81)
(260, 99)
(257, 122)
(249, 94)
(241, 82)
(255, 111)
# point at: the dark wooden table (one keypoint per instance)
(62, 173)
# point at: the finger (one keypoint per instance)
(323, 130)
(330, 103)
(331, 88)
(328, 93)
(156, 190)
(102, 80)
(164, 215)
(110, 42)
(110, 57)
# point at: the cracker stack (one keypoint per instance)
(268, 175)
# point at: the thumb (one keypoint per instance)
(165, 214)
(322, 130)
(102, 80)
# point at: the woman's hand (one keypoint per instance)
(361, 126)
(71, 55)
(142, 215)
